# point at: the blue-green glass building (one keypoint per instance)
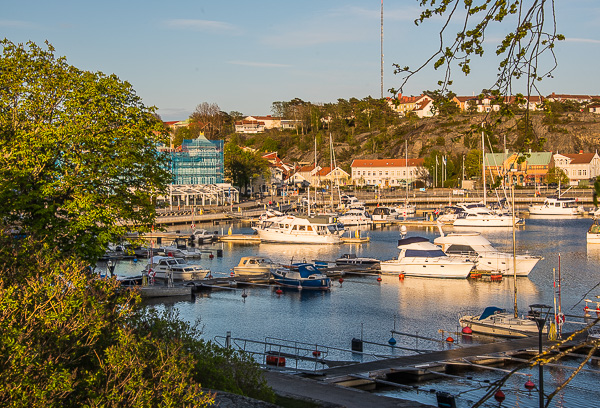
(199, 161)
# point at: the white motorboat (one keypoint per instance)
(557, 206)
(486, 257)
(384, 214)
(419, 257)
(174, 268)
(202, 235)
(498, 322)
(481, 216)
(356, 216)
(405, 210)
(300, 230)
(255, 265)
(593, 233)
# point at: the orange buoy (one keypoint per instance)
(401, 276)
(449, 339)
(379, 279)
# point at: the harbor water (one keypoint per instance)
(425, 310)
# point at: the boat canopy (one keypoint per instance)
(424, 253)
(411, 240)
(488, 311)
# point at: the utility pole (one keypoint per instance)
(381, 49)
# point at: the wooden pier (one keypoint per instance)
(383, 368)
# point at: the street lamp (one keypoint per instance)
(539, 313)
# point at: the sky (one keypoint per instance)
(245, 55)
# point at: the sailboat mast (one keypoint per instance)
(483, 165)
(406, 164)
(514, 248)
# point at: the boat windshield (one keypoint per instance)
(424, 253)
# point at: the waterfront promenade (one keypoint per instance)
(426, 201)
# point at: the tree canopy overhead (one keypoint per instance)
(530, 33)
(78, 152)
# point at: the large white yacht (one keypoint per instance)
(486, 257)
(557, 206)
(419, 257)
(480, 216)
(300, 230)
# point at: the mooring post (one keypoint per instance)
(228, 340)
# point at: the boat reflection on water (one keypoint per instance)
(416, 293)
(299, 295)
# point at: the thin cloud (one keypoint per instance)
(259, 64)
(200, 25)
(583, 40)
(18, 24)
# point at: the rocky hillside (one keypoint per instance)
(568, 133)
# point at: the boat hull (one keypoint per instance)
(503, 263)
(483, 222)
(299, 238)
(427, 269)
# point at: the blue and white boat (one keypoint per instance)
(301, 276)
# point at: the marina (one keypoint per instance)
(370, 306)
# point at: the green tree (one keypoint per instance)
(83, 341)
(557, 175)
(242, 165)
(78, 153)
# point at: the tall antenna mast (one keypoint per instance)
(381, 49)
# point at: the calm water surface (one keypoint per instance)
(364, 307)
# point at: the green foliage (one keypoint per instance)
(69, 340)
(596, 191)
(557, 175)
(242, 165)
(78, 153)
(181, 133)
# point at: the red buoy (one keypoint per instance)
(401, 276)
(499, 396)
(211, 256)
(232, 274)
(276, 361)
(467, 330)
(316, 353)
(379, 279)
(449, 339)
(529, 385)
(279, 291)
(586, 309)
(341, 280)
